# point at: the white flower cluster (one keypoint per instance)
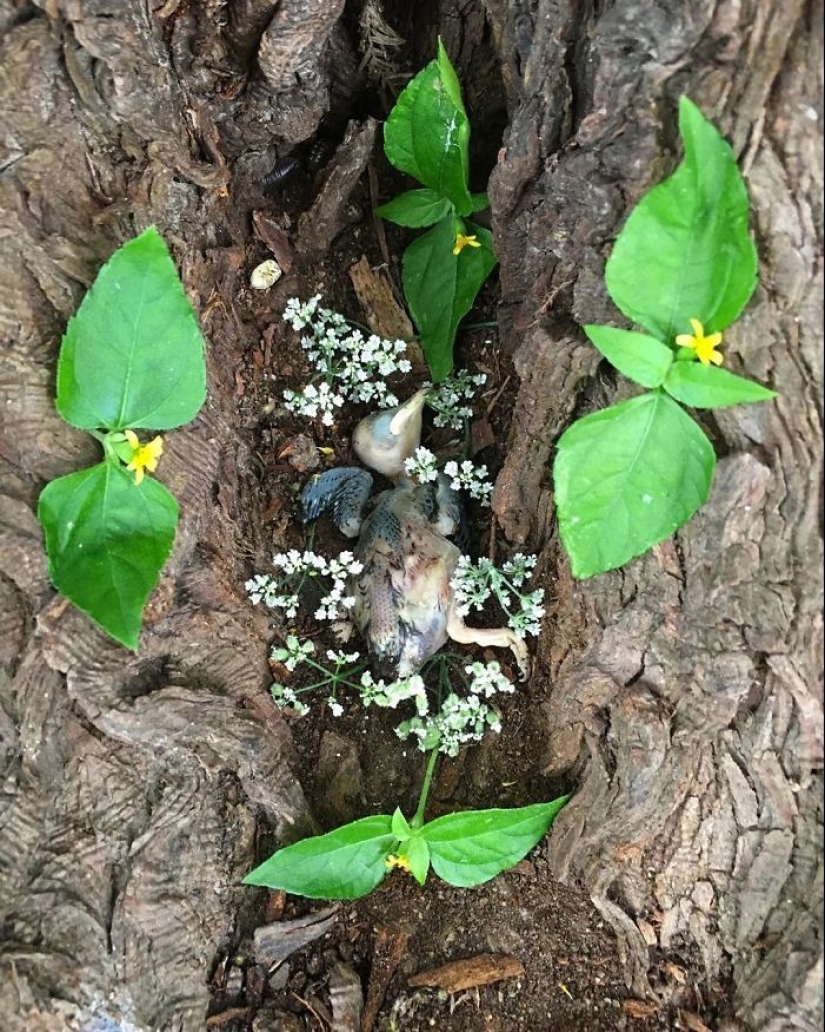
(294, 653)
(470, 478)
(449, 399)
(282, 593)
(474, 583)
(458, 722)
(287, 698)
(351, 366)
(388, 696)
(422, 466)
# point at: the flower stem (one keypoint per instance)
(418, 819)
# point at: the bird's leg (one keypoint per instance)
(497, 637)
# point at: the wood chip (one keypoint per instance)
(271, 234)
(382, 312)
(273, 943)
(693, 1021)
(640, 1009)
(484, 969)
(647, 930)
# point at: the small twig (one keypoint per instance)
(498, 394)
(377, 223)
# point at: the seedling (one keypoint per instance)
(131, 359)
(464, 849)
(427, 135)
(683, 267)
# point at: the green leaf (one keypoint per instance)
(427, 133)
(480, 202)
(705, 386)
(626, 478)
(107, 539)
(132, 356)
(343, 864)
(685, 251)
(440, 287)
(401, 826)
(416, 208)
(639, 357)
(467, 849)
(417, 853)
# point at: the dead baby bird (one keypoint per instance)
(404, 606)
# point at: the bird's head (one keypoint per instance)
(385, 439)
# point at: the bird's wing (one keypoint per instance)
(343, 493)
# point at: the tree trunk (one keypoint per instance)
(683, 692)
(688, 684)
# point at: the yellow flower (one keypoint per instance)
(462, 241)
(398, 861)
(705, 347)
(144, 456)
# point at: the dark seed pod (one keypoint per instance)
(283, 170)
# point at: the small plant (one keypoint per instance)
(464, 849)
(131, 359)
(629, 476)
(427, 136)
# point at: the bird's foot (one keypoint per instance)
(497, 637)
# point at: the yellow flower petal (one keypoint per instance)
(462, 241)
(705, 347)
(144, 456)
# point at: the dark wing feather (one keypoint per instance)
(343, 493)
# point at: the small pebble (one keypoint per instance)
(265, 275)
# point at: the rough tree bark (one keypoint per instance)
(684, 690)
(695, 696)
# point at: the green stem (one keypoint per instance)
(418, 819)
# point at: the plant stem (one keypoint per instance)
(418, 819)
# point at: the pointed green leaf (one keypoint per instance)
(440, 287)
(467, 849)
(639, 357)
(107, 539)
(416, 208)
(343, 864)
(705, 386)
(481, 201)
(132, 356)
(626, 478)
(417, 853)
(401, 826)
(452, 86)
(427, 135)
(685, 251)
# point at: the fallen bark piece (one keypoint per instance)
(484, 969)
(319, 226)
(383, 314)
(273, 943)
(271, 234)
(640, 1009)
(390, 945)
(346, 998)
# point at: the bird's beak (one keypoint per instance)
(408, 412)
